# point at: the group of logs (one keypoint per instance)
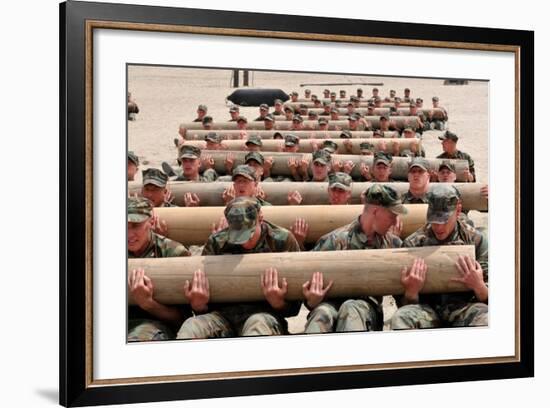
(199, 134)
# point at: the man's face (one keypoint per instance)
(190, 167)
(334, 116)
(303, 111)
(442, 231)
(213, 145)
(200, 113)
(132, 170)
(449, 146)
(289, 115)
(241, 125)
(294, 98)
(257, 167)
(244, 187)
(323, 126)
(435, 104)
(338, 196)
(381, 172)
(297, 125)
(384, 219)
(139, 235)
(153, 193)
(319, 170)
(251, 147)
(367, 153)
(207, 126)
(446, 176)
(351, 108)
(263, 111)
(384, 125)
(326, 108)
(408, 135)
(414, 110)
(278, 107)
(290, 149)
(268, 124)
(234, 115)
(418, 178)
(375, 92)
(352, 124)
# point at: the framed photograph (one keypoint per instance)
(301, 164)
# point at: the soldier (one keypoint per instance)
(320, 166)
(189, 160)
(422, 123)
(449, 141)
(254, 143)
(297, 123)
(333, 96)
(278, 111)
(350, 109)
(294, 97)
(369, 231)
(246, 232)
(261, 165)
(326, 93)
(291, 144)
(133, 165)
(242, 123)
(245, 184)
(414, 149)
(407, 95)
(213, 141)
(371, 109)
(444, 227)
(330, 146)
(419, 182)
(289, 113)
(446, 172)
(316, 102)
(342, 94)
(207, 123)
(326, 109)
(155, 188)
(323, 124)
(384, 123)
(366, 148)
(264, 110)
(307, 93)
(391, 97)
(377, 102)
(269, 122)
(339, 188)
(201, 113)
(375, 93)
(302, 110)
(419, 103)
(359, 93)
(312, 115)
(334, 114)
(437, 121)
(357, 123)
(149, 319)
(381, 168)
(234, 112)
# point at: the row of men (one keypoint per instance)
(246, 231)
(429, 121)
(328, 94)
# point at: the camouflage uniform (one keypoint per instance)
(141, 325)
(323, 157)
(447, 309)
(458, 154)
(249, 173)
(355, 314)
(156, 178)
(250, 318)
(192, 152)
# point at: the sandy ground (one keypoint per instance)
(168, 96)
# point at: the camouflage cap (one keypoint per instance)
(242, 119)
(366, 146)
(374, 89)
(326, 90)
(359, 89)
(407, 90)
(154, 177)
(297, 118)
(330, 146)
(213, 137)
(442, 202)
(381, 157)
(277, 135)
(234, 108)
(288, 109)
(323, 121)
(419, 100)
(256, 156)
(412, 105)
(133, 157)
(339, 180)
(294, 93)
(203, 108)
(303, 106)
(244, 170)
(335, 110)
(312, 115)
(385, 196)
(447, 164)
(255, 140)
(242, 216)
(333, 94)
(384, 117)
(419, 162)
(264, 106)
(278, 102)
(392, 91)
(326, 103)
(448, 135)
(207, 119)
(269, 117)
(321, 156)
(354, 116)
(354, 98)
(345, 134)
(435, 99)
(307, 91)
(139, 209)
(371, 105)
(291, 140)
(408, 129)
(189, 152)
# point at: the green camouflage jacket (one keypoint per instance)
(162, 247)
(207, 176)
(460, 156)
(408, 198)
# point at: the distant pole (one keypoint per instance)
(235, 78)
(245, 78)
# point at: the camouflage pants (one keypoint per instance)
(353, 315)
(212, 325)
(437, 125)
(148, 330)
(424, 317)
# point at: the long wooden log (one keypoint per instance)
(236, 278)
(270, 145)
(199, 134)
(404, 111)
(343, 102)
(210, 194)
(398, 121)
(192, 225)
(280, 163)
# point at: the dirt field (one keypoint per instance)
(168, 96)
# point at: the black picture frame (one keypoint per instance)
(77, 388)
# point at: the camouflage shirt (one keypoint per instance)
(464, 234)
(460, 156)
(208, 176)
(162, 247)
(168, 204)
(408, 198)
(272, 239)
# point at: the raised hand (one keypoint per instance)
(348, 166)
(413, 279)
(197, 292)
(294, 198)
(159, 226)
(228, 194)
(222, 224)
(313, 290)
(191, 200)
(207, 161)
(273, 293)
(471, 276)
(300, 229)
(140, 288)
(365, 171)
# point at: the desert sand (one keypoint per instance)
(167, 96)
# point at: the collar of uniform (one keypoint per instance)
(358, 231)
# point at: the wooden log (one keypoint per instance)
(280, 163)
(210, 194)
(192, 225)
(236, 278)
(398, 121)
(403, 111)
(198, 134)
(305, 146)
